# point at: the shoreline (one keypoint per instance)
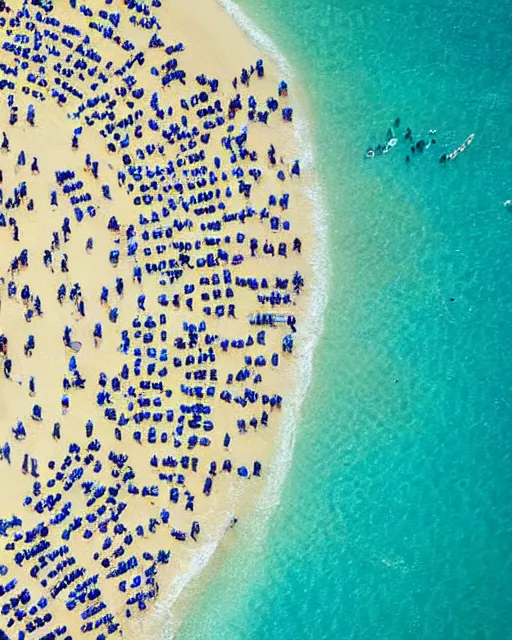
(268, 497)
(274, 446)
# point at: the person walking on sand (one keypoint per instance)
(55, 241)
(64, 263)
(47, 259)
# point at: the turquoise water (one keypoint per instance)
(396, 516)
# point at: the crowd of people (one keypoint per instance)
(208, 237)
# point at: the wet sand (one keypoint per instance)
(79, 463)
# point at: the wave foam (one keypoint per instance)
(199, 562)
(320, 265)
(271, 493)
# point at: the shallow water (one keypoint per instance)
(396, 519)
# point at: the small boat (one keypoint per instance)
(508, 204)
(370, 153)
(460, 149)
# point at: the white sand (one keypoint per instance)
(214, 46)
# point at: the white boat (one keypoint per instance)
(460, 149)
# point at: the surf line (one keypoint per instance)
(317, 302)
(270, 494)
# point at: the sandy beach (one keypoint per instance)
(140, 407)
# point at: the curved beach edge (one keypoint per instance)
(270, 494)
(320, 265)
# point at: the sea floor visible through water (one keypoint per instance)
(395, 519)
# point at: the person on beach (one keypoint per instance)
(64, 263)
(47, 259)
